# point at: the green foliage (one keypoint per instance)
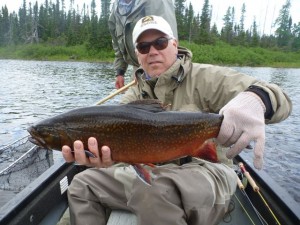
(53, 30)
(54, 52)
(283, 21)
(180, 18)
(205, 34)
(221, 53)
(224, 54)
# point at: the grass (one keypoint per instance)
(220, 54)
(55, 53)
(224, 54)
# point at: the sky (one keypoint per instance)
(265, 12)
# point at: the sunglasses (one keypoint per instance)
(159, 44)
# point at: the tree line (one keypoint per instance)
(51, 23)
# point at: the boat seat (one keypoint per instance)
(121, 217)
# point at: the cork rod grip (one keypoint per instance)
(248, 176)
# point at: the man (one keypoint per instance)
(196, 192)
(123, 17)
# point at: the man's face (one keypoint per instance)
(156, 62)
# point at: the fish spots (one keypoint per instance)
(134, 133)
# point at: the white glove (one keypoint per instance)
(244, 122)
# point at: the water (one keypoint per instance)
(34, 90)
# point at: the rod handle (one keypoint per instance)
(240, 184)
(248, 176)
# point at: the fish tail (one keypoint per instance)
(142, 174)
(208, 151)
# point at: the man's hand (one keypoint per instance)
(101, 160)
(119, 81)
(244, 122)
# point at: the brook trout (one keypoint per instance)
(138, 132)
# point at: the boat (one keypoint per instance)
(44, 200)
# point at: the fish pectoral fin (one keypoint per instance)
(142, 174)
(150, 164)
(208, 151)
(87, 154)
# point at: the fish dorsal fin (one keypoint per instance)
(152, 105)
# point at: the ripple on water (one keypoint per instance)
(35, 90)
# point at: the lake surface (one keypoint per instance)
(34, 90)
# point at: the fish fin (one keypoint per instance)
(88, 154)
(152, 105)
(150, 164)
(249, 146)
(142, 174)
(208, 151)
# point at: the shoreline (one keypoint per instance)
(278, 65)
(220, 54)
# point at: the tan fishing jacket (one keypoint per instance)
(121, 27)
(188, 86)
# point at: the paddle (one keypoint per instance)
(116, 92)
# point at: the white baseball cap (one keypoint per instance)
(151, 22)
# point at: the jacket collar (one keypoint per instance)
(163, 87)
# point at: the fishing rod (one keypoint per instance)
(256, 189)
(116, 92)
(242, 189)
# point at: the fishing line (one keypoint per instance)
(242, 189)
(256, 189)
(244, 209)
(259, 216)
(270, 210)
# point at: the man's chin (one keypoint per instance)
(154, 72)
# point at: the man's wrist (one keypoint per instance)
(264, 96)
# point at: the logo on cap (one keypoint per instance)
(147, 20)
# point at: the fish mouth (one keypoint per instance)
(35, 139)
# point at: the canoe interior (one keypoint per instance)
(286, 209)
(44, 200)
